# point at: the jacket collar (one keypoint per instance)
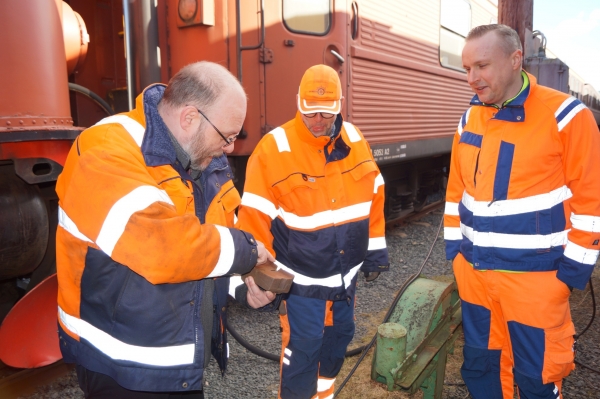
(157, 145)
(514, 109)
(340, 149)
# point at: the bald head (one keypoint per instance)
(203, 107)
(509, 38)
(200, 84)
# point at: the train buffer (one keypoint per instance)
(412, 347)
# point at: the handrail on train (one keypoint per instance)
(241, 48)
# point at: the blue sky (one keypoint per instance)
(572, 30)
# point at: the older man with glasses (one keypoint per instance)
(146, 242)
(314, 196)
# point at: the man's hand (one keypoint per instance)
(263, 255)
(256, 297)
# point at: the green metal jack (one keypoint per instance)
(413, 346)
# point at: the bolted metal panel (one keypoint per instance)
(34, 70)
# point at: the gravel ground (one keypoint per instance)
(250, 376)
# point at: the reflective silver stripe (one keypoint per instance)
(451, 208)
(259, 203)
(307, 222)
(351, 132)
(118, 216)
(570, 116)
(119, 350)
(514, 241)
(378, 183)
(452, 233)
(234, 282)
(586, 223)
(281, 139)
(377, 243)
(325, 218)
(516, 206)
(66, 223)
(288, 353)
(460, 124)
(324, 384)
(227, 253)
(350, 275)
(567, 118)
(581, 254)
(134, 128)
(331, 282)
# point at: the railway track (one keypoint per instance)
(15, 383)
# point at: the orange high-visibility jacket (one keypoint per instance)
(524, 186)
(317, 205)
(136, 236)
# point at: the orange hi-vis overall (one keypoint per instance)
(522, 223)
(317, 204)
(138, 246)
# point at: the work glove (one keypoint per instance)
(371, 276)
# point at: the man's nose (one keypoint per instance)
(318, 117)
(472, 77)
(228, 149)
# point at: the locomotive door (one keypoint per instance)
(299, 34)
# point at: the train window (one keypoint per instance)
(455, 23)
(307, 16)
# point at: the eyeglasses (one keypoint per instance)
(324, 115)
(229, 140)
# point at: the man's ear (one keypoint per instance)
(186, 117)
(516, 59)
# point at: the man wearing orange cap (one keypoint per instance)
(314, 196)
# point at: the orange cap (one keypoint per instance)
(320, 91)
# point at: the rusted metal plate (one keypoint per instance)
(28, 335)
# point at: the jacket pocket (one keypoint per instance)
(180, 194)
(299, 193)
(222, 210)
(559, 354)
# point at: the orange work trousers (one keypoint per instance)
(517, 329)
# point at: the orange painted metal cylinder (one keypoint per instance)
(75, 36)
(33, 74)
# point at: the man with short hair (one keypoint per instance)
(314, 196)
(522, 220)
(146, 209)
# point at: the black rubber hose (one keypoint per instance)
(588, 326)
(250, 347)
(271, 356)
(93, 96)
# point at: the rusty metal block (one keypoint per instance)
(269, 278)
